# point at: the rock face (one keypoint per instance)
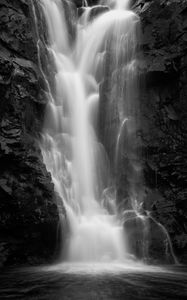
(80, 3)
(161, 134)
(148, 240)
(28, 207)
(163, 111)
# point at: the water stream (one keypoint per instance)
(80, 163)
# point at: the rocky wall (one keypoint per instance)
(163, 67)
(28, 205)
(161, 132)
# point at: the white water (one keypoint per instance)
(77, 161)
(105, 46)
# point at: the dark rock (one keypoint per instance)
(16, 29)
(163, 110)
(161, 132)
(80, 3)
(28, 205)
(148, 240)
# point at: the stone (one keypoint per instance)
(148, 240)
(162, 126)
(29, 216)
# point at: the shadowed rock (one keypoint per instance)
(28, 205)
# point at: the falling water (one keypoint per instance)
(77, 160)
(72, 153)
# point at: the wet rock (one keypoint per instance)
(163, 111)
(148, 240)
(16, 29)
(95, 11)
(80, 3)
(28, 205)
(161, 132)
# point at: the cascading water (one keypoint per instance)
(71, 151)
(106, 41)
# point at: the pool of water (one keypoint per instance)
(94, 282)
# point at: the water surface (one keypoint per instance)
(94, 282)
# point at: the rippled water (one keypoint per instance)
(94, 282)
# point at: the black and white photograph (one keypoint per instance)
(93, 149)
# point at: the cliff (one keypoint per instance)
(28, 205)
(161, 132)
(164, 111)
(161, 136)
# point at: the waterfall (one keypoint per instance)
(100, 61)
(71, 150)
